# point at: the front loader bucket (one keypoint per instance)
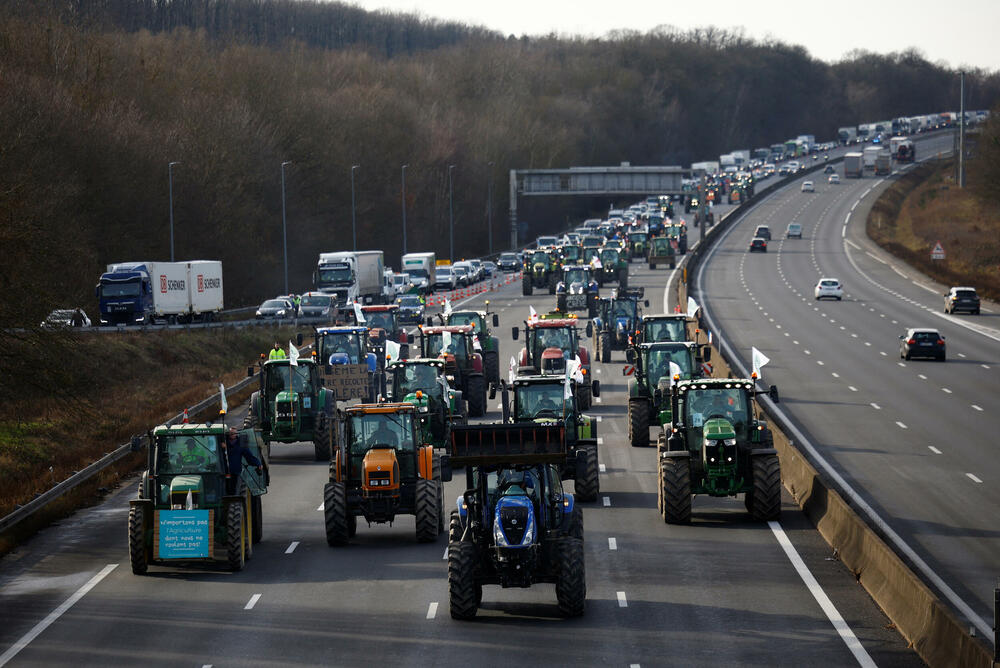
(520, 443)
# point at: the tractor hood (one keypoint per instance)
(381, 472)
(514, 520)
(180, 486)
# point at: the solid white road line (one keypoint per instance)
(973, 478)
(445, 557)
(432, 610)
(321, 507)
(37, 629)
(291, 548)
(934, 450)
(622, 601)
(845, 632)
(612, 543)
(600, 440)
(252, 602)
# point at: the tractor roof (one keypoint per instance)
(370, 409)
(190, 429)
(379, 308)
(303, 359)
(342, 330)
(665, 316)
(454, 329)
(668, 345)
(567, 267)
(419, 361)
(715, 383)
(541, 379)
(553, 323)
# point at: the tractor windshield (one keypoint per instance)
(571, 253)
(409, 378)
(539, 401)
(550, 337)
(279, 377)
(637, 237)
(657, 363)
(661, 245)
(624, 308)
(539, 257)
(466, 319)
(346, 343)
(609, 256)
(578, 275)
(381, 319)
(665, 330)
(371, 429)
(591, 254)
(435, 346)
(729, 403)
(188, 454)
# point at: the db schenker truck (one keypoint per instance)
(145, 292)
(351, 276)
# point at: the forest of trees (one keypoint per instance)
(98, 96)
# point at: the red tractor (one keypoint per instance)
(555, 332)
(455, 345)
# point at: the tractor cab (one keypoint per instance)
(344, 345)
(488, 344)
(560, 333)
(293, 392)
(455, 345)
(382, 322)
(571, 254)
(422, 382)
(664, 327)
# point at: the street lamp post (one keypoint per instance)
(354, 221)
(284, 226)
(404, 207)
(489, 207)
(170, 178)
(451, 215)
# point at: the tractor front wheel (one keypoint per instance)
(605, 347)
(477, 396)
(257, 515)
(638, 423)
(576, 522)
(571, 582)
(335, 514)
(235, 540)
(137, 554)
(526, 285)
(425, 507)
(252, 418)
(463, 598)
(491, 365)
(561, 303)
(587, 481)
(675, 488)
(455, 528)
(765, 499)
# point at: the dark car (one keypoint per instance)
(276, 308)
(961, 299)
(918, 342)
(763, 231)
(508, 262)
(758, 245)
(411, 309)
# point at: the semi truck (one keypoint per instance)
(902, 149)
(883, 162)
(847, 135)
(351, 276)
(145, 292)
(420, 267)
(708, 167)
(869, 156)
(853, 165)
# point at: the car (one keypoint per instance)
(808, 187)
(922, 342)
(411, 309)
(316, 305)
(489, 268)
(757, 244)
(463, 274)
(445, 278)
(961, 299)
(478, 271)
(828, 288)
(763, 231)
(793, 231)
(277, 309)
(64, 317)
(834, 179)
(508, 262)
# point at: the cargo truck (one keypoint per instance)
(351, 276)
(847, 135)
(145, 292)
(420, 267)
(902, 149)
(883, 162)
(853, 165)
(869, 156)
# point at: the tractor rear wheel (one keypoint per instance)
(257, 515)
(425, 507)
(606, 347)
(571, 582)
(588, 482)
(675, 488)
(137, 554)
(585, 397)
(252, 419)
(323, 440)
(765, 500)
(638, 423)
(561, 303)
(440, 495)
(526, 285)
(477, 396)
(623, 277)
(553, 279)
(463, 600)
(491, 366)
(235, 542)
(335, 514)
(455, 528)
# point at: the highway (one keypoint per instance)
(724, 591)
(913, 438)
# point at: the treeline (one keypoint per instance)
(98, 97)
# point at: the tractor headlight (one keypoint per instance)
(498, 537)
(730, 441)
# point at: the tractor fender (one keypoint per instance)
(477, 363)
(633, 389)
(584, 356)
(672, 454)
(425, 460)
(141, 503)
(463, 510)
(763, 451)
(523, 358)
(493, 343)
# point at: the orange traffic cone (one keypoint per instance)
(185, 420)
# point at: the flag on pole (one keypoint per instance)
(447, 307)
(577, 369)
(567, 385)
(293, 354)
(692, 307)
(476, 344)
(391, 351)
(222, 399)
(512, 374)
(675, 372)
(710, 338)
(532, 315)
(758, 359)
(359, 316)
(445, 341)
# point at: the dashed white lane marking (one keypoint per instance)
(820, 362)
(612, 543)
(876, 406)
(607, 501)
(882, 353)
(901, 425)
(432, 610)
(291, 547)
(845, 632)
(985, 366)
(598, 400)
(445, 557)
(634, 665)
(921, 376)
(835, 374)
(962, 355)
(934, 450)
(973, 478)
(852, 388)
(598, 418)
(977, 407)
(600, 440)
(321, 507)
(945, 389)
(622, 601)
(252, 602)
(603, 468)
(599, 371)
(37, 629)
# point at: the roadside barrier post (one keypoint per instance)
(996, 623)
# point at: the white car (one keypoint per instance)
(829, 288)
(64, 318)
(808, 187)
(444, 278)
(834, 179)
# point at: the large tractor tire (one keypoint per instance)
(571, 583)
(335, 514)
(252, 418)
(675, 488)
(257, 518)
(765, 499)
(605, 347)
(576, 522)
(561, 303)
(552, 280)
(455, 528)
(491, 367)
(235, 539)
(323, 440)
(526, 285)
(638, 423)
(137, 554)
(652, 265)
(425, 507)
(623, 277)
(586, 397)
(463, 594)
(588, 481)
(477, 396)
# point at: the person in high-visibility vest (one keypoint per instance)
(277, 353)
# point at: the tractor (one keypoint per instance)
(638, 243)
(665, 327)
(337, 346)
(718, 444)
(455, 345)
(423, 383)
(184, 511)
(577, 290)
(613, 266)
(489, 344)
(515, 526)
(617, 321)
(541, 270)
(558, 331)
(650, 381)
(570, 254)
(383, 325)
(662, 251)
(292, 405)
(382, 469)
(677, 233)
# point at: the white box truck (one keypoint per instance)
(145, 292)
(853, 165)
(420, 267)
(351, 276)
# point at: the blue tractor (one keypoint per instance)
(340, 346)
(617, 321)
(515, 525)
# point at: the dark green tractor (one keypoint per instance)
(718, 444)
(423, 383)
(184, 511)
(489, 344)
(650, 381)
(662, 251)
(292, 405)
(638, 245)
(677, 233)
(614, 267)
(541, 270)
(666, 327)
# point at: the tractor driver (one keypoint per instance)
(383, 436)
(190, 459)
(545, 403)
(342, 346)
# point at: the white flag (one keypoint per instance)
(222, 399)
(359, 315)
(692, 307)
(189, 501)
(532, 315)
(476, 344)
(577, 371)
(391, 351)
(293, 354)
(759, 359)
(675, 372)
(513, 370)
(445, 341)
(447, 307)
(710, 338)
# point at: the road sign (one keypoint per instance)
(937, 253)
(628, 370)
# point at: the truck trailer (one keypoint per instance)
(853, 165)
(351, 276)
(146, 292)
(420, 267)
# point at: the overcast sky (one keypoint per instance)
(957, 33)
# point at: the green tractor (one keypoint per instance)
(650, 381)
(423, 383)
(678, 234)
(570, 254)
(662, 251)
(488, 343)
(184, 511)
(614, 267)
(666, 327)
(638, 244)
(541, 270)
(292, 405)
(717, 444)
